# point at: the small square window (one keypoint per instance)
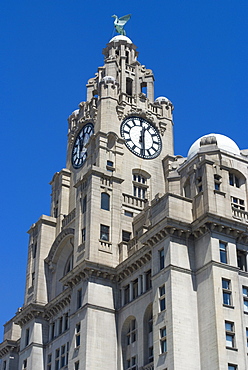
(126, 235)
(128, 214)
(232, 367)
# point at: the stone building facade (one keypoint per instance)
(142, 262)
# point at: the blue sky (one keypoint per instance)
(50, 48)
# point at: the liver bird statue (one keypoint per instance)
(119, 23)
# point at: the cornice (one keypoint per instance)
(57, 304)
(206, 224)
(139, 258)
(85, 270)
(9, 346)
(212, 223)
(28, 313)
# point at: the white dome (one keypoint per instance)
(121, 37)
(109, 79)
(162, 99)
(222, 142)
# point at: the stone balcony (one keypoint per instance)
(240, 214)
(134, 202)
(69, 218)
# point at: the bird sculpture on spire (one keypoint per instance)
(119, 23)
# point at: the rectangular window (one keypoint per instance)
(60, 328)
(238, 203)
(104, 232)
(230, 334)
(163, 342)
(79, 298)
(4, 365)
(126, 294)
(52, 330)
(66, 322)
(67, 353)
(84, 205)
(217, 182)
(126, 236)
(131, 363)
(77, 334)
(49, 361)
(24, 365)
(148, 279)
(227, 292)
(245, 298)
(110, 163)
(57, 359)
(83, 235)
(150, 354)
(246, 337)
(33, 278)
(241, 259)
(162, 298)
(139, 192)
(233, 180)
(223, 252)
(232, 367)
(76, 365)
(128, 213)
(27, 337)
(110, 166)
(131, 334)
(63, 356)
(161, 258)
(199, 184)
(135, 288)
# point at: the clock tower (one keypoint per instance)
(116, 142)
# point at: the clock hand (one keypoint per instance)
(142, 140)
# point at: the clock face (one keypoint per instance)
(142, 138)
(79, 151)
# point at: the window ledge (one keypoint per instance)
(232, 348)
(220, 192)
(228, 306)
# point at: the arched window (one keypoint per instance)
(129, 344)
(148, 336)
(105, 199)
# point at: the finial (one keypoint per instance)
(119, 23)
